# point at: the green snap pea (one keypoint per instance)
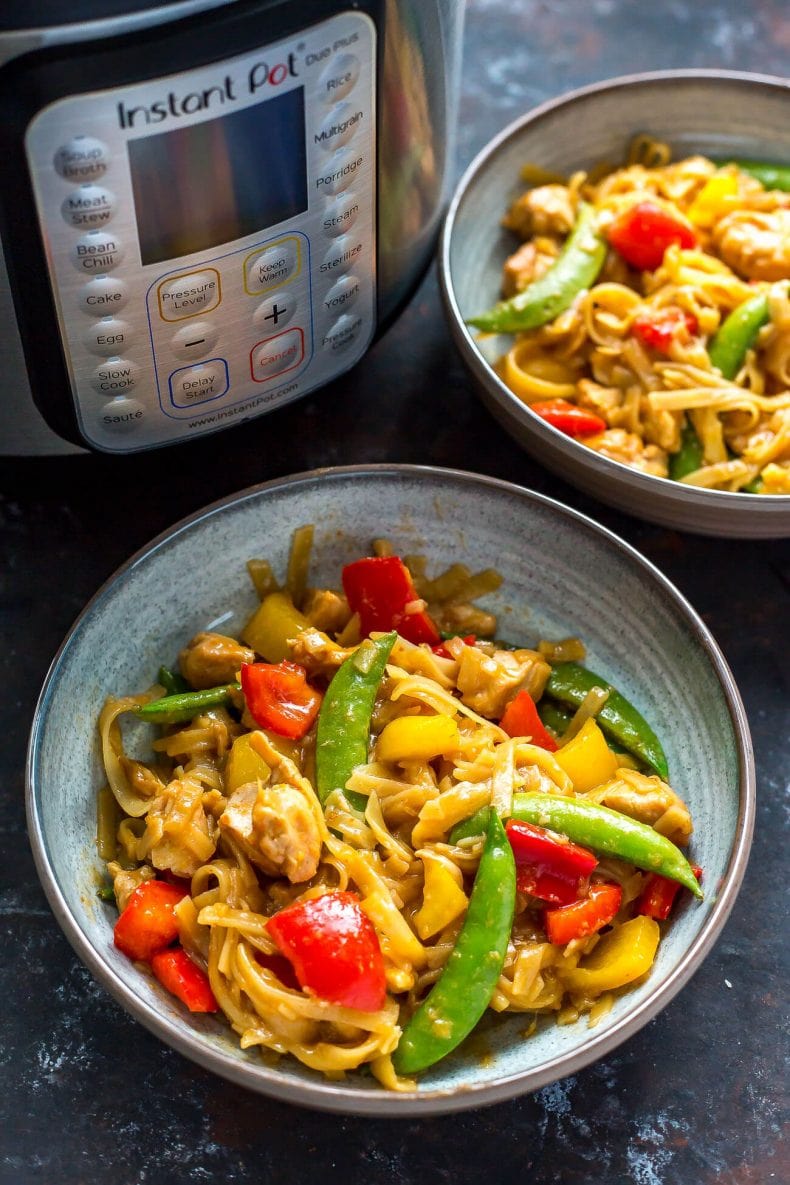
(575, 269)
(172, 682)
(463, 991)
(569, 683)
(689, 456)
(597, 827)
(343, 731)
(176, 709)
(737, 334)
(769, 175)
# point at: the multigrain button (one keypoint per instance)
(115, 376)
(195, 340)
(199, 384)
(82, 159)
(339, 77)
(189, 294)
(342, 295)
(276, 355)
(89, 206)
(122, 414)
(339, 171)
(268, 269)
(340, 214)
(275, 312)
(341, 335)
(108, 337)
(103, 295)
(339, 126)
(97, 251)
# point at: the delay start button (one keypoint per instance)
(198, 384)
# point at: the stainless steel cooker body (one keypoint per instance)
(210, 207)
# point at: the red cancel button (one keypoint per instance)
(275, 355)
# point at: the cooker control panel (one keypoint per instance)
(210, 235)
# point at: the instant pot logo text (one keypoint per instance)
(260, 77)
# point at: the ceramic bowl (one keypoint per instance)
(721, 114)
(563, 575)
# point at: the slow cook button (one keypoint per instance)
(339, 77)
(114, 376)
(89, 206)
(121, 414)
(97, 251)
(338, 127)
(339, 171)
(342, 294)
(199, 384)
(107, 337)
(188, 294)
(344, 331)
(340, 214)
(277, 354)
(82, 159)
(104, 294)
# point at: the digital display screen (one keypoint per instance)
(213, 182)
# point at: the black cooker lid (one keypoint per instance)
(42, 14)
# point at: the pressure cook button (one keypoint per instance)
(344, 331)
(102, 295)
(97, 251)
(82, 159)
(340, 170)
(195, 340)
(189, 294)
(277, 354)
(340, 214)
(115, 376)
(89, 206)
(339, 126)
(275, 312)
(199, 384)
(342, 295)
(121, 414)
(108, 337)
(339, 77)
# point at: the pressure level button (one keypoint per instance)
(82, 159)
(97, 251)
(89, 207)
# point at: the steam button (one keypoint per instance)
(89, 207)
(83, 159)
(97, 251)
(340, 214)
(339, 78)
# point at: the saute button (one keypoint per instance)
(276, 355)
(339, 126)
(104, 294)
(199, 384)
(189, 294)
(89, 206)
(344, 331)
(97, 251)
(194, 340)
(275, 312)
(271, 267)
(82, 159)
(340, 214)
(342, 295)
(119, 415)
(108, 337)
(339, 77)
(114, 376)
(339, 171)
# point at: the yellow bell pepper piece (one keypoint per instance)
(244, 764)
(272, 626)
(417, 738)
(443, 898)
(716, 197)
(621, 956)
(587, 759)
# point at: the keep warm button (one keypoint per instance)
(276, 355)
(198, 384)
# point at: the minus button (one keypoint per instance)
(195, 341)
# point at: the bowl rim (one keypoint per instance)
(777, 505)
(326, 1095)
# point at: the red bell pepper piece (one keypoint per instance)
(660, 327)
(567, 417)
(380, 590)
(334, 950)
(148, 924)
(658, 896)
(642, 233)
(175, 971)
(583, 917)
(442, 650)
(521, 719)
(548, 866)
(279, 697)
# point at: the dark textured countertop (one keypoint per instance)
(698, 1096)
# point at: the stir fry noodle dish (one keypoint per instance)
(650, 311)
(368, 822)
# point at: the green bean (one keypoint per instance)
(463, 991)
(769, 175)
(606, 831)
(175, 709)
(343, 733)
(569, 683)
(172, 682)
(575, 269)
(689, 456)
(737, 334)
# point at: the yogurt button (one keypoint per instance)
(108, 337)
(115, 376)
(89, 207)
(82, 159)
(97, 251)
(342, 295)
(103, 295)
(121, 415)
(339, 77)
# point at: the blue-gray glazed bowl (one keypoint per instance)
(563, 575)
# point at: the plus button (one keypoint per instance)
(275, 314)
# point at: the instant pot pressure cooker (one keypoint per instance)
(208, 208)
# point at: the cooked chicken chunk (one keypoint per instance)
(326, 610)
(756, 244)
(179, 835)
(649, 800)
(524, 266)
(212, 659)
(125, 881)
(317, 653)
(275, 828)
(548, 209)
(619, 445)
(487, 682)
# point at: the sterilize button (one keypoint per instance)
(108, 337)
(89, 207)
(277, 354)
(97, 251)
(342, 295)
(115, 376)
(275, 312)
(338, 127)
(119, 415)
(344, 331)
(339, 77)
(199, 384)
(271, 267)
(339, 171)
(82, 159)
(341, 254)
(340, 214)
(102, 295)
(195, 340)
